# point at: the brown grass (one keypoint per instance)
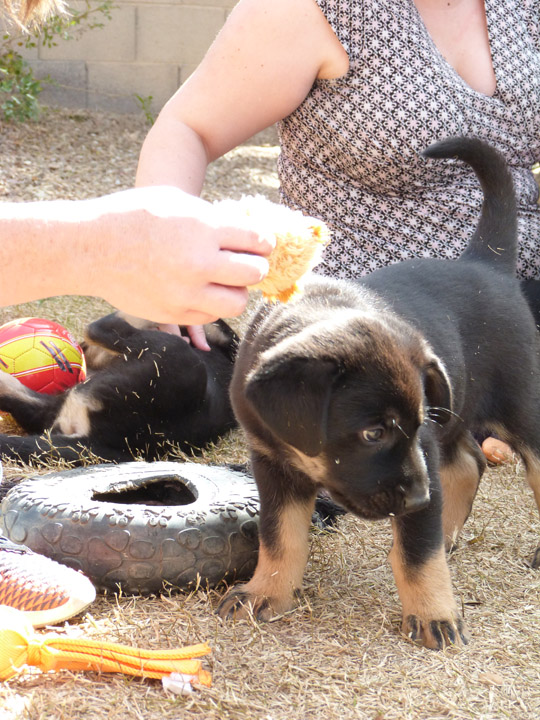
(340, 654)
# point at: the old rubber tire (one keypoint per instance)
(142, 527)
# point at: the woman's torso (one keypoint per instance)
(350, 152)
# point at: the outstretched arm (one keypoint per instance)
(153, 252)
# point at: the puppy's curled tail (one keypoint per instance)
(495, 238)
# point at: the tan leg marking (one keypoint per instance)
(74, 418)
(459, 481)
(532, 469)
(532, 465)
(278, 573)
(429, 610)
(10, 386)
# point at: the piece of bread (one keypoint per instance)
(300, 241)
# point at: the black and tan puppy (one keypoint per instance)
(372, 389)
(148, 390)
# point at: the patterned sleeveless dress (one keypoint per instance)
(350, 152)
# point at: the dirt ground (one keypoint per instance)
(340, 654)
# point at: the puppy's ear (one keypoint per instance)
(438, 391)
(106, 329)
(292, 397)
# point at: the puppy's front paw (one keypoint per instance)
(240, 603)
(435, 634)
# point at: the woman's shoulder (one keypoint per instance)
(531, 9)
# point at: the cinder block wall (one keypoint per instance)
(148, 49)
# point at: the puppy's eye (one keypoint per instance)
(373, 434)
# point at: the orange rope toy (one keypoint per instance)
(20, 646)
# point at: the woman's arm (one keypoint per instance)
(259, 69)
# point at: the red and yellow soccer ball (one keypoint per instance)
(42, 354)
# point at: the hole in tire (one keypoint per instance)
(162, 491)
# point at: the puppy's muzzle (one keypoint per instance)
(400, 500)
(414, 498)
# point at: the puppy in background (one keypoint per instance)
(372, 390)
(147, 391)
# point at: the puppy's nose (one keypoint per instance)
(414, 498)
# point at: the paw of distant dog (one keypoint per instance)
(96, 355)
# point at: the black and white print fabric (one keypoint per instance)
(350, 152)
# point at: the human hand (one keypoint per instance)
(167, 255)
(196, 335)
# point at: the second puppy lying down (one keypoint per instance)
(372, 389)
(150, 390)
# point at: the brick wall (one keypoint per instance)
(148, 48)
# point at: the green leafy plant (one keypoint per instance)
(19, 88)
(146, 107)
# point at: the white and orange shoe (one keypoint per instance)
(46, 591)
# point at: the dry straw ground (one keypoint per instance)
(340, 655)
